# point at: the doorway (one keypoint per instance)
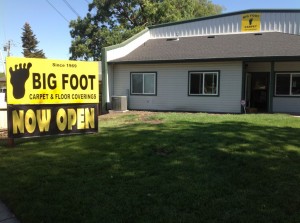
(257, 91)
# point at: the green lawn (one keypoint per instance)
(159, 167)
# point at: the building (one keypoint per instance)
(3, 105)
(210, 64)
(2, 84)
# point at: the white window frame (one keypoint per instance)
(290, 74)
(144, 74)
(204, 73)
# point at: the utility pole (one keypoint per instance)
(2, 61)
(7, 48)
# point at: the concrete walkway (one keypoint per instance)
(6, 216)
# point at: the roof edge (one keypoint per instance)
(124, 43)
(222, 15)
(247, 58)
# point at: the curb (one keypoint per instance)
(6, 216)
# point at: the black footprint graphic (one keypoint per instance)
(250, 21)
(18, 77)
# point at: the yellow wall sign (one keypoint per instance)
(43, 81)
(250, 22)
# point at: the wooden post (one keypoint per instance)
(10, 142)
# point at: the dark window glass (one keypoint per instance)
(149, 83)
(137, 83)
(283, 84)
(196, 82)
(210, 84)
(296, 84)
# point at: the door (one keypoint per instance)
(259, 91)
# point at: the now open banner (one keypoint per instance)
(37, 120)
(49, 97)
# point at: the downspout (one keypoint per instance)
(105, 86)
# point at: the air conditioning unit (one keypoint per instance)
(119, 103)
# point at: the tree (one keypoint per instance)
(29, 43)
(110, 22)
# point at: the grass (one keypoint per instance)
(159, 167)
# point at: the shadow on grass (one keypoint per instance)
(181, 171)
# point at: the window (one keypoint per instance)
(143, 83)
(287, 84)
(295, 85)
(203, 83)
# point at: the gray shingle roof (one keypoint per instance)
(232, 46)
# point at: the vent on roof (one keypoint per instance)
(173, 39)
(211, 37)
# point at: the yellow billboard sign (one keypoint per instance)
(251, 22)
(43, 81)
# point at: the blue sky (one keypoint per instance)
(52, 30)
